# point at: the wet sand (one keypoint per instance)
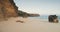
(28, 25)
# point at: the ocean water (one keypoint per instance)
(40, 17)
(45, 17)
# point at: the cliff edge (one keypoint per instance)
(8, 9)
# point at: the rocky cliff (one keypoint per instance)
(8, 9)
(25, 14)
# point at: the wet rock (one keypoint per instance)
(53, 18)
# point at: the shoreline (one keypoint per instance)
(29, 25)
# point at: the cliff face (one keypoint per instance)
(8, 9)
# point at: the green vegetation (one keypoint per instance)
(24, 14)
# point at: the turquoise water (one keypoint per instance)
(41, 17)
(44, 17)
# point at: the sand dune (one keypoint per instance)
(29, 25)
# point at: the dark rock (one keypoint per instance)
(53, 18)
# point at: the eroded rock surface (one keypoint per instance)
(8, 9)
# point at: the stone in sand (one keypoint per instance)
(20, 21)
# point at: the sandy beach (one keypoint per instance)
(28, 25)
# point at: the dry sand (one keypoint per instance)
(29, 25)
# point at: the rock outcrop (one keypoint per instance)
(53, 18)
(25, 14)
(8, 9)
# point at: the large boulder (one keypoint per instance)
(53, 18)
(8, 9)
